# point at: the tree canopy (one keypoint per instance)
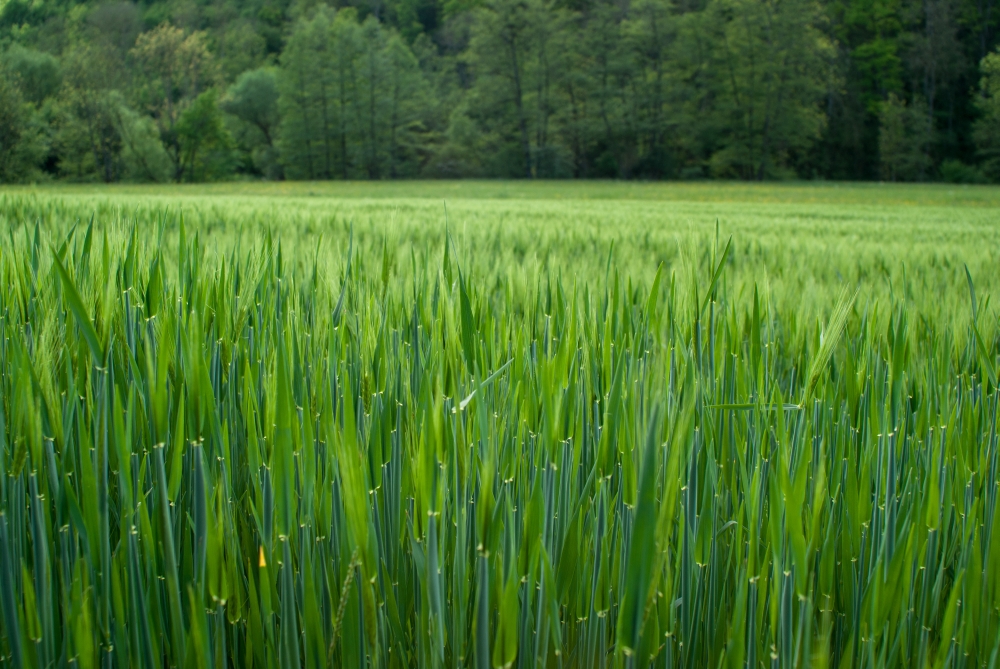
(180, 90)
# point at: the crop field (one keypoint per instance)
(496, 424)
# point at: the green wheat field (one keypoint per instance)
(499, 424)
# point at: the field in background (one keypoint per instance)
(499, 424)
(804, 241)
(845, 193)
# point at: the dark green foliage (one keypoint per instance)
(176, 70)
(987, 128)
(205, 144)
(21, 143)
(646, 89)
(350, 100)
(90, 139)
(253, 100)
(957, 172)
(37, 73)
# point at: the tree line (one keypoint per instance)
(198, 90)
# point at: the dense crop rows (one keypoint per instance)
(241, 458)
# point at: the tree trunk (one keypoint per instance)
(519, 102)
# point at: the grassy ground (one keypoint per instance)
(869, 194)
(242, 425)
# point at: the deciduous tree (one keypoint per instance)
(174, 67)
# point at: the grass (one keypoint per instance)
(349, 431)
(713, 192)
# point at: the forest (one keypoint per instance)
(206, 90)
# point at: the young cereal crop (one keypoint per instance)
(242, 457)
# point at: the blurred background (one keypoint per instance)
(203, 90)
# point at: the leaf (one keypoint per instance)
(642, 545)
(716, 274)
(469, 331)
(831, 337)
(505, 642)
(154, 288)
(75, 304)
(338, 310)
(12, 626)
(465, 402)
(177, 453)
(32, 625)
(654, 292)
(948, 622)
(972, 294)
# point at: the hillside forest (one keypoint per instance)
(202, 90)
